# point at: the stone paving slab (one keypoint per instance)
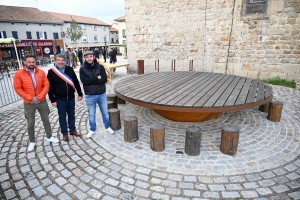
(267, 165)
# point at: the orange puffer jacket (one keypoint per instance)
(24, 87)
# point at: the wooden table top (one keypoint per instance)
(193, 91)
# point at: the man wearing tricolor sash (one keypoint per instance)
(63, 83)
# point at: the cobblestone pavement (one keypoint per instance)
(267, 165)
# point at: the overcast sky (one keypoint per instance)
(104, 10)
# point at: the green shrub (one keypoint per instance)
(279, 81)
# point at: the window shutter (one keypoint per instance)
(37, 35)
(45, 35)
(4, 34)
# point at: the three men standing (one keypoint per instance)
(32, 85)
(63, 83)
(93, 77)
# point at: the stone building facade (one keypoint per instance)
(217, 35)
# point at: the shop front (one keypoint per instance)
(40, 48)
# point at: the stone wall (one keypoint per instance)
(255, 46)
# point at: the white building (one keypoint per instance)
(95, 32)
(30, 25)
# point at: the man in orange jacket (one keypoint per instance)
(32, 85)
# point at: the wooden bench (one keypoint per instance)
(110, 67)
(193, 96)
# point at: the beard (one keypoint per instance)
(30, 66)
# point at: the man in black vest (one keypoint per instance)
(63, 83)
(93, 77)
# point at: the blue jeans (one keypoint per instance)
(91, 102)
(64, 107)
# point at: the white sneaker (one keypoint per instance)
(31, 146)
(109, 130)
(52, 139)
(90, 134)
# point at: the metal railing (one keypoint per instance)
(7, 92)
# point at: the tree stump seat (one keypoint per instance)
(157, 137)
(110, 104)
(113, 97)
(275, 111)
(115, 119)
(131, 129)
(192, 141)
(229, 139)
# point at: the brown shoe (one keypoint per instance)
(65, 137)
(75, 133)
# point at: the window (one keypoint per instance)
(15, 34)
(68, 25)
(45, 35)
(103, 28)
(123, 33)
(112, 40)
(104, 38)
(255, 7)
(82, 26)
(84, 38)
(94, 27)
(28, 34)
(95, 38)
(39, 35)
(124, 41)
(3, 34)
(55, 35)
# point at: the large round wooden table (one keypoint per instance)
(193, 96)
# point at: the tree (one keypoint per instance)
(74, 32)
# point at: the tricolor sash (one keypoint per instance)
(63, 76)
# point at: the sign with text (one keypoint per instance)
(26, 43)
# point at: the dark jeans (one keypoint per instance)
(104, 57)
(29, 111)
(80, 60)
(65, 107)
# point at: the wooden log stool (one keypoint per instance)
(120, 101)
(192, 141)
(275, 111)
(264, 107)
(131, 129)
(110, 104)
(113, 97)
(157, 137)
(229, 139)
(114, 117)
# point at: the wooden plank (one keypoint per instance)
(181, 91)
(142, 81)
(260, 91)
(218, 92)
(158, 87)
(193, 90)
(210, 90)
(163, 95)
(252, 92)
(234, 95)
(228, 91)
(145, 87)
(244, 92)
(201, 91)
